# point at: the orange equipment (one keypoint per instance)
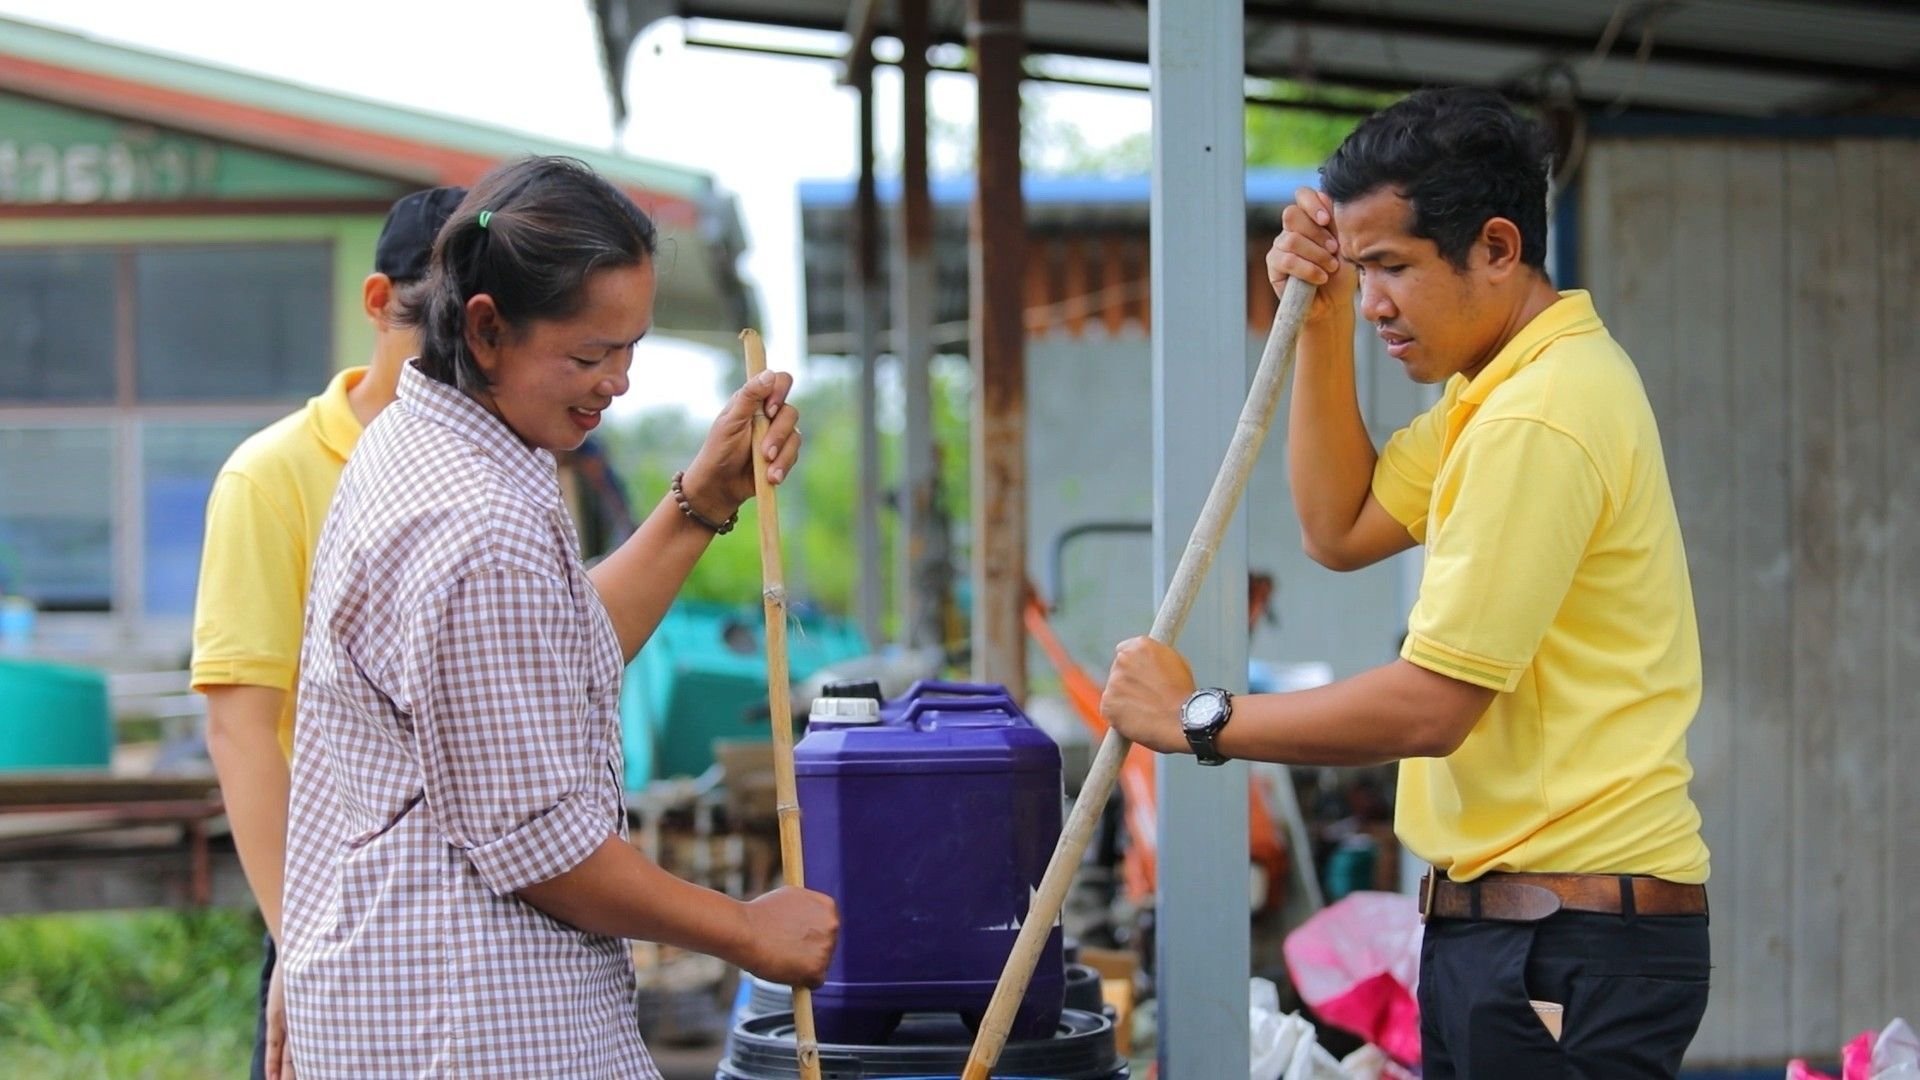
(1139, 784)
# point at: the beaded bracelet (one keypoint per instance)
(680, 496)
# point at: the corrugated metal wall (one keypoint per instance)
(1768, 291)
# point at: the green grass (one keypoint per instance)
(183, 1055)
(129, 996)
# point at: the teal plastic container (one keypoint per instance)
(703, 676)
(53, 716)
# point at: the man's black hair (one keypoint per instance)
(1461, 157)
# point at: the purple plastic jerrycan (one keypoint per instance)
(929, 819)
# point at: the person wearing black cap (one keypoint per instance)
(263, 524)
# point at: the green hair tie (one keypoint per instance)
(485, 216)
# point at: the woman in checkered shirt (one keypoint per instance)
(458, 885)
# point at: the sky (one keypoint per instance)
(758, 124)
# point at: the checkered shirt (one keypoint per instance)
(458, 739)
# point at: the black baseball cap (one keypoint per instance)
(405, 247)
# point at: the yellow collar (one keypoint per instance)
(1572, 314)
(333, 420)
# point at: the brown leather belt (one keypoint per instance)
(1532, 897)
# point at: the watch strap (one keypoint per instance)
(1204, 742)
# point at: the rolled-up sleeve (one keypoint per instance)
(510, 762)
(1521, 502)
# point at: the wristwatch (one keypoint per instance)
(1205, 712)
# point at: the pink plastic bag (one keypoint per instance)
(1856, 1058)
(1357, 963)
(1856, 1062)
(1798, 1069)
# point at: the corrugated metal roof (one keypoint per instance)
(1734, 57)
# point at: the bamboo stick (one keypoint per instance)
(774, 595)
(1269, 383)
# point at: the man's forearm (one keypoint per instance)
(243, 740)
(1395, 711)
(1330, 457)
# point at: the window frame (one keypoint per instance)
(127, 417)
(126, 372)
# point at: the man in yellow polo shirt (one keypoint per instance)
(263, 524)
(1551, 668)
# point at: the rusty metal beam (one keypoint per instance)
(996, 246)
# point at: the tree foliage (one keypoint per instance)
(819, 509)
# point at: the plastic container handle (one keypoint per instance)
(953, 689)
(998, 703)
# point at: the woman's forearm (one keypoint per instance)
(639, 580)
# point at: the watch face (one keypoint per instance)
(1200, 711)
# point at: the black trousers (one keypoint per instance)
(1634, 990)
(259, 1070)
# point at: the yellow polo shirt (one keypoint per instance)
(1555, 575)
(263, 524)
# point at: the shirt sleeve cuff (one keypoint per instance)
(546, 847)
(241, 671)
(1467, 667)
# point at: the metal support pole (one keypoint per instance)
(920, 584)
(1199, 295)
(866, 300)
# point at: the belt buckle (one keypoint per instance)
(1428, 882)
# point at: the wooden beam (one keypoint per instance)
(39, 790)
